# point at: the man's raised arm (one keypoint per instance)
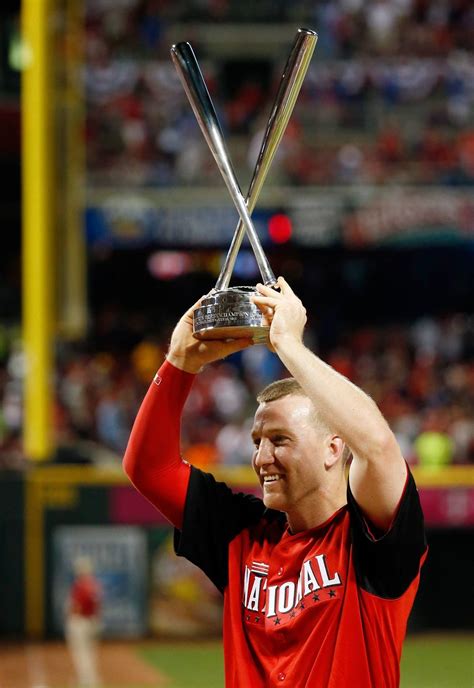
(378, 471)
(152, 459)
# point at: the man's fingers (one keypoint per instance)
(263, 287)
(284, 286)
(191, 310)
(285, 289)
(265, 301)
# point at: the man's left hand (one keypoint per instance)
(283, 311)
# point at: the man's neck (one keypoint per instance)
(316, 509)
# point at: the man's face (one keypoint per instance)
(289, 451)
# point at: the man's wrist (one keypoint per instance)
(183, 363)
(286, 341)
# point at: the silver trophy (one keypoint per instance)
(228, 312)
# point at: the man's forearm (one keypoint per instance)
(152, 459)
(345, 408)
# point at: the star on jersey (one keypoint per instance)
(286, 597)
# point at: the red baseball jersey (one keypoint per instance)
(85, 596)
(324, 608)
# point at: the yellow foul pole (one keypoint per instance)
(38, 218)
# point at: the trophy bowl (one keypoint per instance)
(230, 314)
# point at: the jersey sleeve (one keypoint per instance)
(386, 565)
(213, 517)
(152, 459)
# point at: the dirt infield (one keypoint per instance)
(47, 665)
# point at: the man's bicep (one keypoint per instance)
(377, 484)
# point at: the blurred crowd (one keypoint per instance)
(389, 97)
(420, 27)
(421, 376)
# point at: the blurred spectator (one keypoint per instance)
(82, 623)
(112, 421)
(146, 358)
(382, 23)
(434, 447)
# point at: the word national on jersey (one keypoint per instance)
(285, 597)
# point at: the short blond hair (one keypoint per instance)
(280, 388)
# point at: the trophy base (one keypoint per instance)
(230, 314)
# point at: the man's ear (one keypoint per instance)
(335, 450)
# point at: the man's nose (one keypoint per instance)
(264, 454)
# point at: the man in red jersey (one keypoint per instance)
(319, 576)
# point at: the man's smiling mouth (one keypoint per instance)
(268, 479)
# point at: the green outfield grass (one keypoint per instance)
(429, 661)
(438, 662)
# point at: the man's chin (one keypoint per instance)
(274, 501)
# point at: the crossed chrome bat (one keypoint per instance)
(291, 81)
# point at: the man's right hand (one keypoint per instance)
(190, 354)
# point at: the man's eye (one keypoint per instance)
(279, 440)
(256, 444)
